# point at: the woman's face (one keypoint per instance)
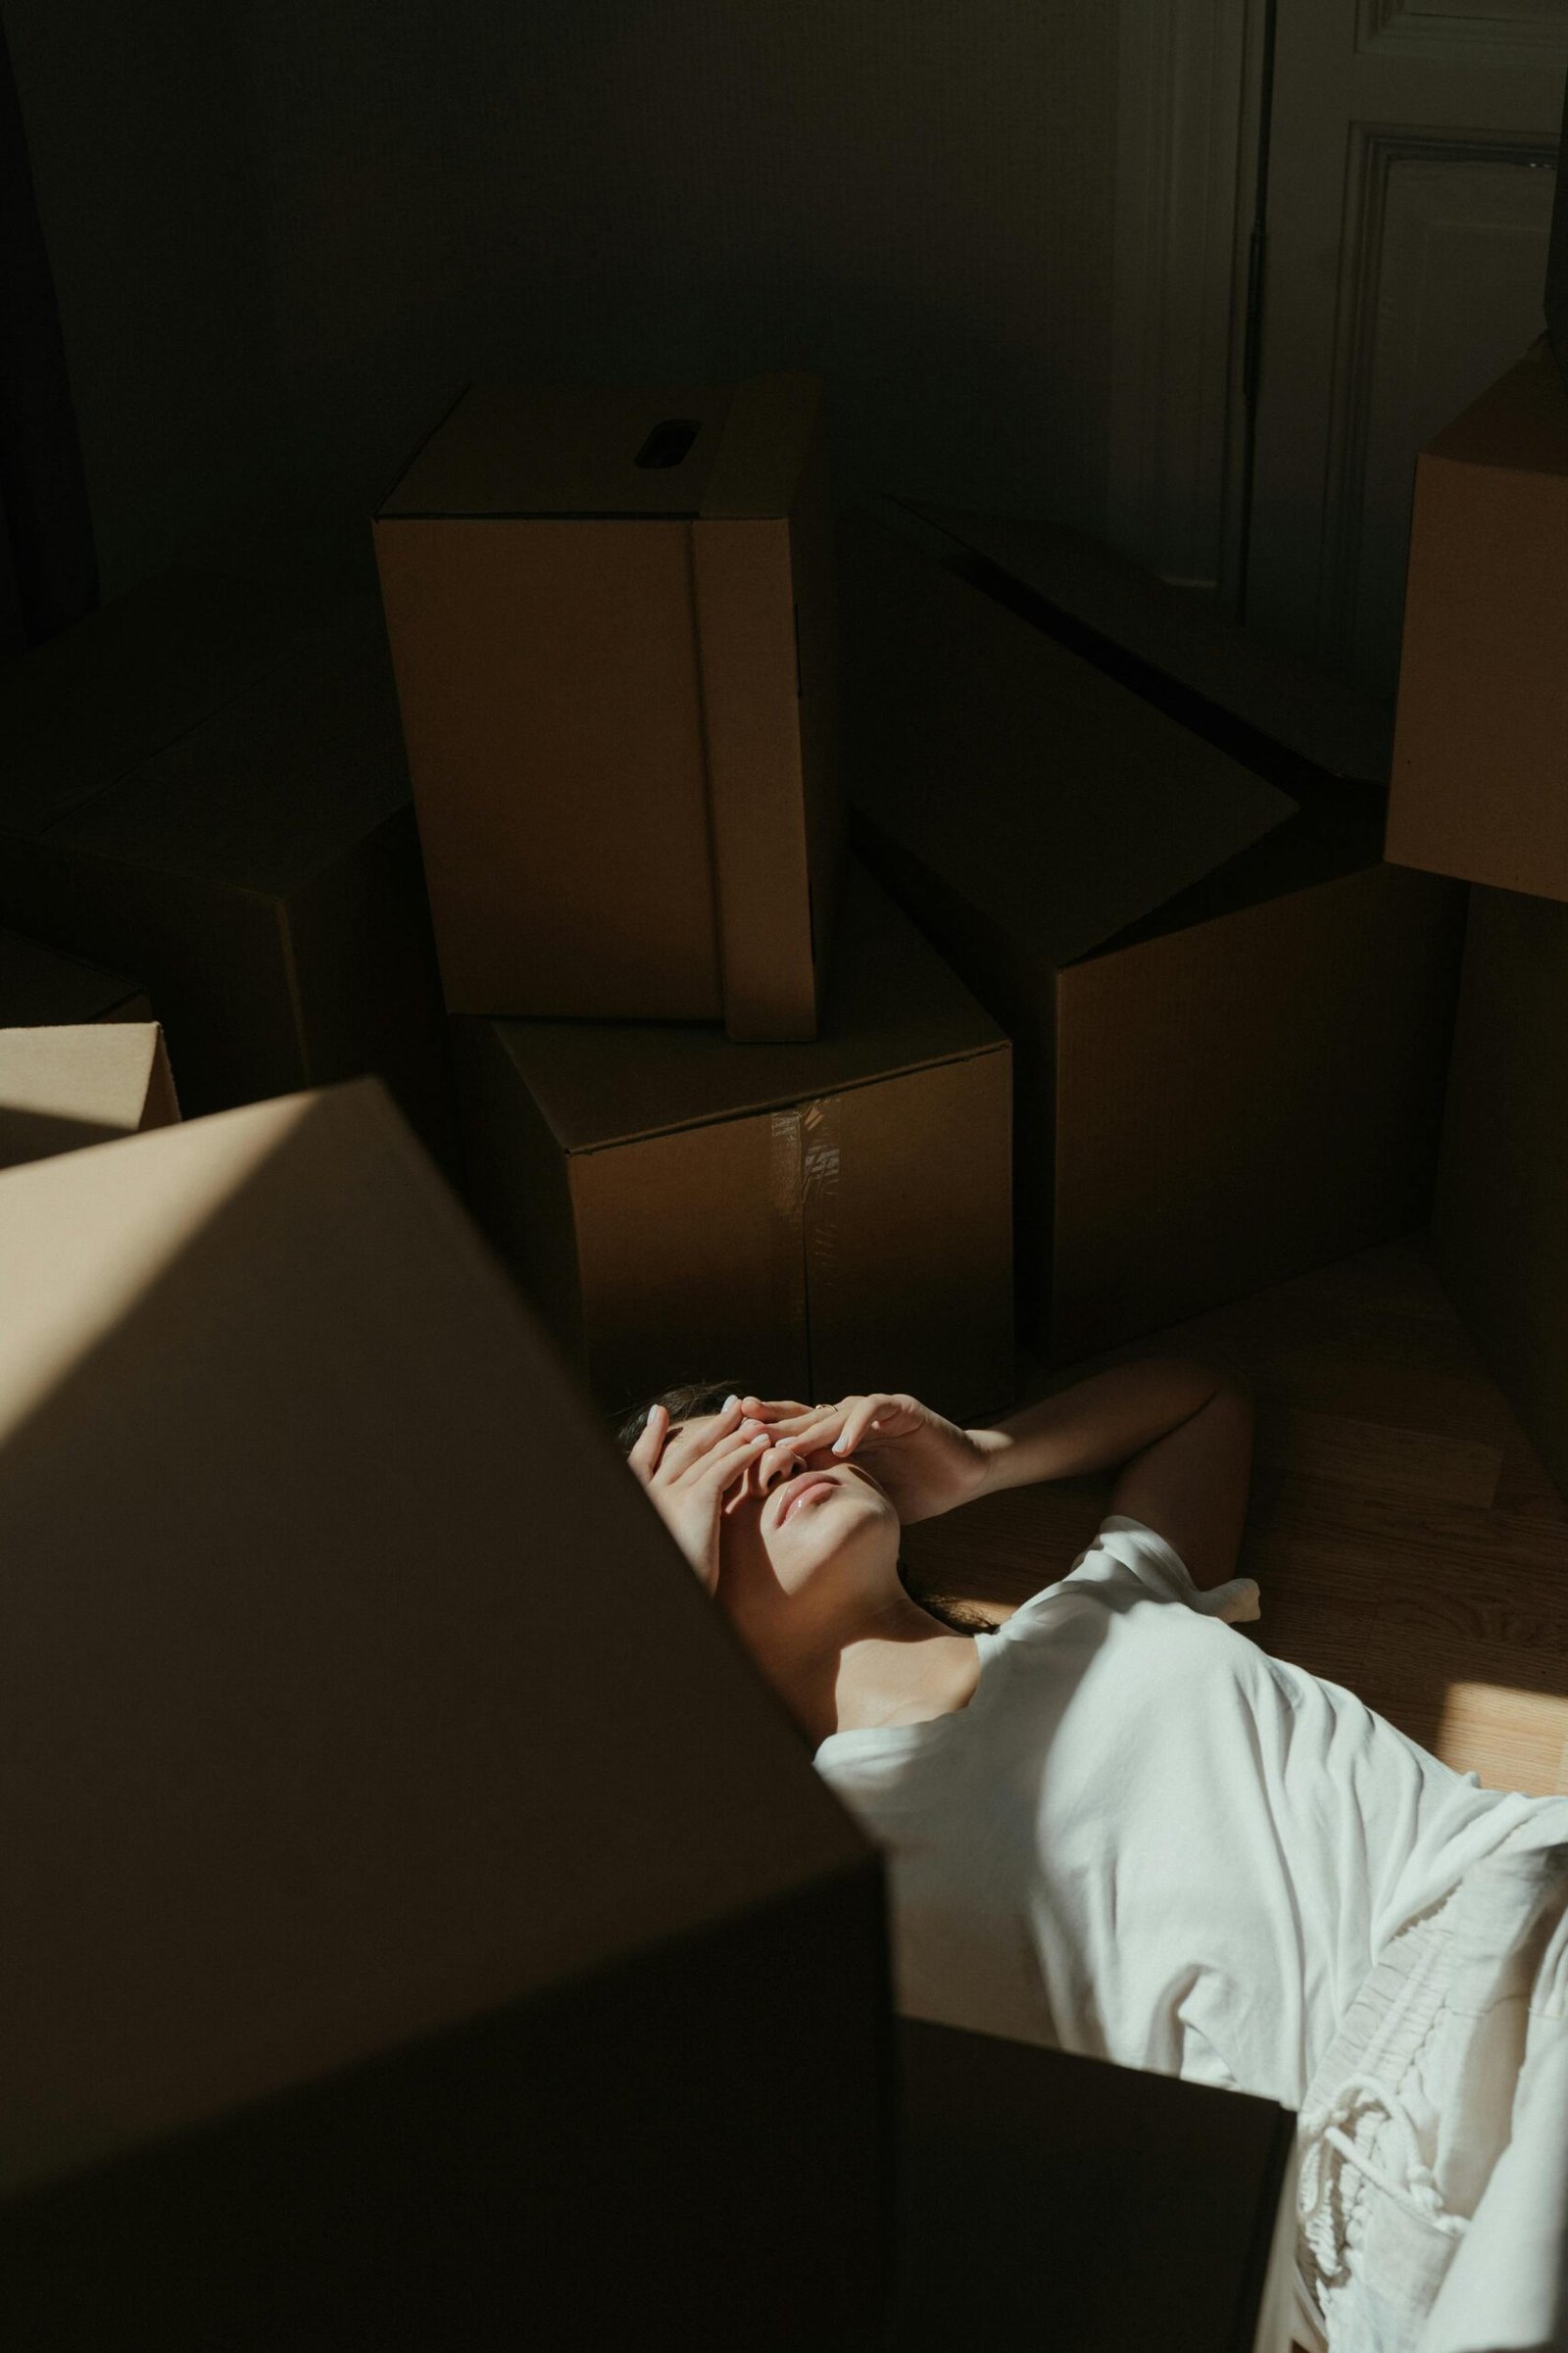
(825, 1518)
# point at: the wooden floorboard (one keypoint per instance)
(1407, 1540)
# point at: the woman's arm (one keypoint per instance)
(1105, 1420)
(1138, 1414)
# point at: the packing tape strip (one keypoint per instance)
(787, 1273)
(821, 1139)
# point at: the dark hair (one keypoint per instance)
(698, 1398)
(681, 1404)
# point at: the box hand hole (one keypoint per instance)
(670, 443)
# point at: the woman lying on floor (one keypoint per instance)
(1115, 1825)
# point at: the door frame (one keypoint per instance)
(1190, 184)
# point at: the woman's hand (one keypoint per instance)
(925, 1464)
(702, 1471)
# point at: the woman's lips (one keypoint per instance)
(818, 1483)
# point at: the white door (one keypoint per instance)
(1409, 187)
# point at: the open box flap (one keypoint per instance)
(891, 1006)
(1518, 425)
(1234, 681)
(1056, 799)
(290, 1775)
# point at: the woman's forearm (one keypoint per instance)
(1099, 1422)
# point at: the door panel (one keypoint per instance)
(1410, 182)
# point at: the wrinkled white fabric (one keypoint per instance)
(1433, 2140)
(1148, 1841)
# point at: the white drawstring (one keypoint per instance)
(1418, 2193)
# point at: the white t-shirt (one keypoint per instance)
(1145, 1839)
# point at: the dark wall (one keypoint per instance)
(283, 234)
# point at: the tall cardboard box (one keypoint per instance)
(610, 616)
(423, 1925)
(1230, 1020)
(1498, 1234)
(206, 783)
(39, 986)
(1477, 788)
(69, 1085)
(1112, 2210)
(810, 1219)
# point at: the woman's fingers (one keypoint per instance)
(809, 1417)
(694, 1440)
(860, 1416)
(782, 1454)
(724, 1464)
(772, 1460)
(644, 1455)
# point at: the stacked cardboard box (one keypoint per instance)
(612, 615)
(205, 782)
(80, 1057)
(808, 1220)
(373, 1967)
(1230, 1017)
(1479, 792)
(70, 1085)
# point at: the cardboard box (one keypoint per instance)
(38, 987)
(609, 612)
(1230, 1021)
(1095, 2207)
(369, 1978)
(1483, 710)
(206, 783)
(812, 1220)
(1497, 1231)
(1287, 720)
(68, 1085)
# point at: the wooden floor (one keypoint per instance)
(1406, 1539)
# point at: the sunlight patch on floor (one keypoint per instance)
(1514, 1739)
